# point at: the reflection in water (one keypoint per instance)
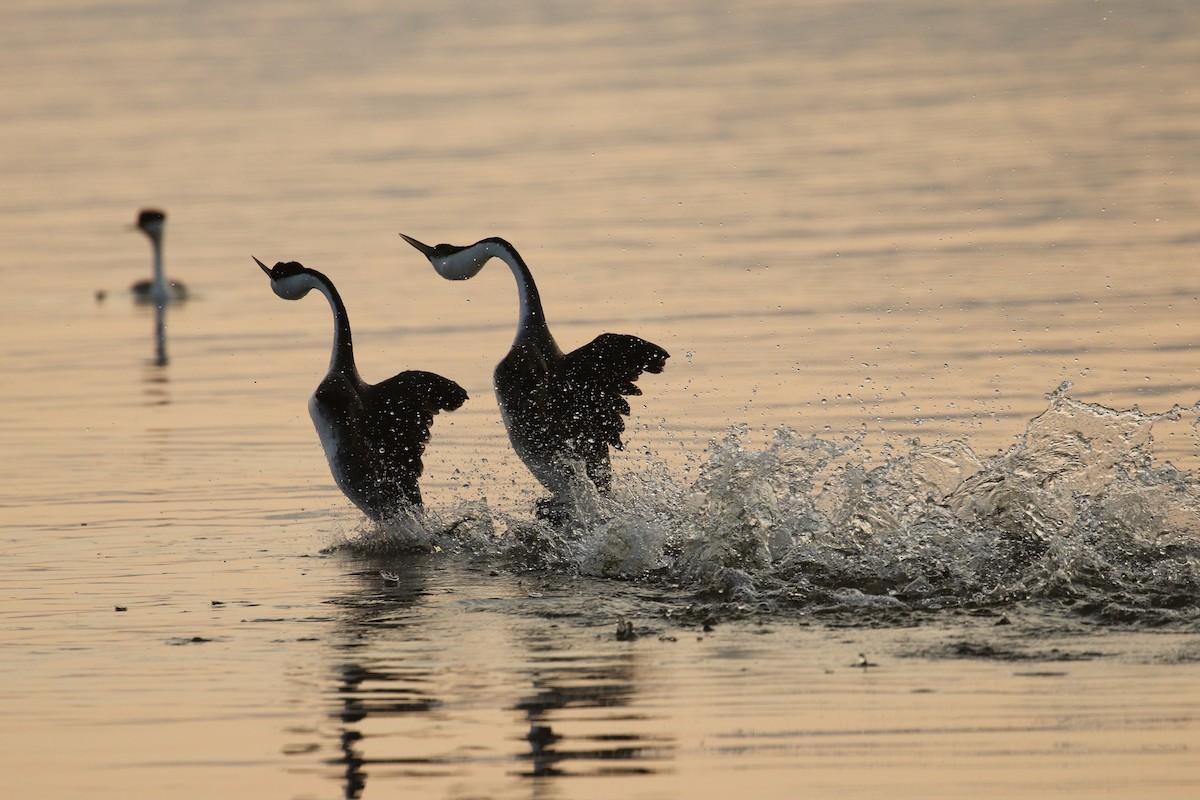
(575, 683)
(367, 689)
(160, 334)
(157, 385)
(360, 702)
(575, 722)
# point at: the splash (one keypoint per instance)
(1078, 515)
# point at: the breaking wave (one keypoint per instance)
(1078, 515)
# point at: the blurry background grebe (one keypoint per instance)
(869, 222)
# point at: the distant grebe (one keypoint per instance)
(157, 290)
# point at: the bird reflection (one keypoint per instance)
(157, 386)
(360, 702)
(591, 682)
(399, 663)
(364, 687)
(160, 334)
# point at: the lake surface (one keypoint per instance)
(913, 510)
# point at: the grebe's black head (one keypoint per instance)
(151, 220)
(453, 262)
(291, 280)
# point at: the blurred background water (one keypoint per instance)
(893, 229)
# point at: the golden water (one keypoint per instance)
(895, 220)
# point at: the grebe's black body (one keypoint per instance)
(560, 409)
(373, 434)
(158, 289)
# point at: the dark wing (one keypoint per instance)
(600, 374)
(427, 389)
(401, 412)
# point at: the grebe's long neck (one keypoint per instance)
(531, 323)
(341, 360)
(158, 290)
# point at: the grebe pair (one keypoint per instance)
(560, 409)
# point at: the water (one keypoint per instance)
(926, 272)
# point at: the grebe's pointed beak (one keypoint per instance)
(265, 268)
(425, 249)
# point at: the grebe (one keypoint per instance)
(157, 290)
(373, 435)
(559, 408)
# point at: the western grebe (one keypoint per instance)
(374, 434)
(560, 409)
(158, 289)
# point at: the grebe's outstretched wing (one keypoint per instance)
(598, 377)
(400, 413)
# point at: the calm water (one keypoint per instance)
(927, 272)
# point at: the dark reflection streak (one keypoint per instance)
(355, 709)
(157, 382)
(379, 614)
(370, 613)
(608, 683)
(160, 334)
